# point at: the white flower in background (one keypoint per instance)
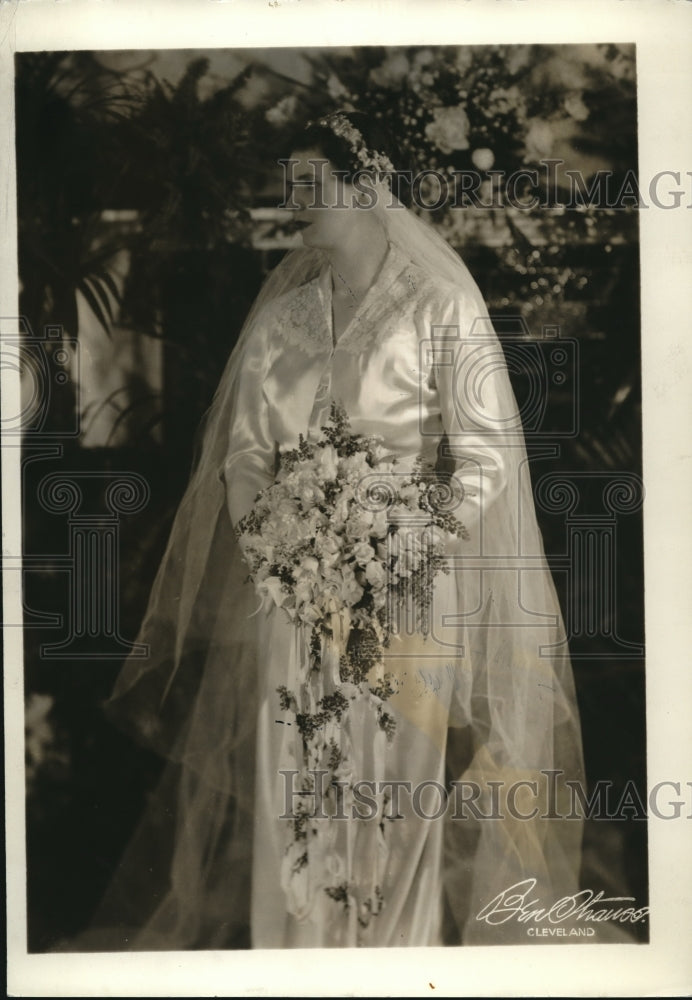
(423, 58)
(463, 60)
(539, 139)
(38, 732)
(575, 107)
(283, 112)
(504, 99)
(622, 67)
(391, 72)
(483, 158)
(450, 129)
(517, 58)
(335, 87)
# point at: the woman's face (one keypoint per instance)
(326, 211)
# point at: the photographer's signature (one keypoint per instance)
(517, 903)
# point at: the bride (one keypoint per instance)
(458, 802)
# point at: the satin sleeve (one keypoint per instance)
(476, 407)
(250, 461)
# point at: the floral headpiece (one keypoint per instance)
(369, 158)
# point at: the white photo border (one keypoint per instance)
(662, 32)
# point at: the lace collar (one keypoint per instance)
(306, 322)
(392, 265)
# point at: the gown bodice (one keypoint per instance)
(394, 370)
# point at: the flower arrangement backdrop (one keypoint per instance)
(147, 202)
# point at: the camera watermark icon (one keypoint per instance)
(591, 503)
(474, 364)
(47, 369)
(90, 566)
(412, 543)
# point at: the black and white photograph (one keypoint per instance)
(328, 446)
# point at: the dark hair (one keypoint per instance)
(376, 137)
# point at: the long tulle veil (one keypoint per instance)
(194, 698)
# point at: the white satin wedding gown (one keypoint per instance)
(483, 696)
(419, 366)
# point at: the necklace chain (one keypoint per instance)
(344, 289)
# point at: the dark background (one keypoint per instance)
(163, 160)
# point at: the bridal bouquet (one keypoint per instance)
(342, 541)
(342, 533)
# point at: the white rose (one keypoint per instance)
(335, 87)
(517, 58)
(308, 566)
(379, 453)
(327, 544)
(391, 72)
(483, 158)
(379, 524)
(398, 512)
(350, 591)
(332, 579)
(363, 552)
(575, 107)
(329, 562)
(286, 507)
(303, 592)
(450, 129)
(376, 575)
(341, 508)
(309, 494)
(282, 112)
(412, 555)
(329, 551)
(409, 494)
(379, 598)
(463, 59)
(539, 139)
(423, 58)
(437, 536)
(359, 523)
(383, 552)
(328, 463)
